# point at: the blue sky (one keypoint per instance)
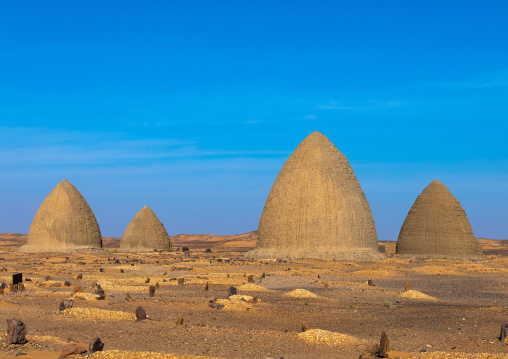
(193, 107)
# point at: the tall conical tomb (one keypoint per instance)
(437, 227)
(63, 223)
(316, 209)
(145, 233)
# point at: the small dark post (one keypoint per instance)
(17, 279)
(502, 336)
(407, 287)
(250, 279)
(384, 346)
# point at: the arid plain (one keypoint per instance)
(454, 310)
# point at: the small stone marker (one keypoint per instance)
(208, 250)
(72, 349)
(180, 281)
(407, 287)
(179, 321)
(206, 286)
(371, 283)
(325, 287)
(80, 276)
(157, 285)
(78, 289)
(128, 297)
(384, 346)
(147, 280)
(305, 327)
(232, 291)
(66, 304)
(16, 331)
(502, 336)
(96, 346)
(67, 283)
(250, 279)
(151, 290)
(140, 313)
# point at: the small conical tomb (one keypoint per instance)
(145, 233)
(63, 223)
(316, 209)
(437, 227)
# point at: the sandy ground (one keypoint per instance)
(454, 310)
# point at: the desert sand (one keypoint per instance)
(454, 309)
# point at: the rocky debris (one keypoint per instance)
(21, 287)
(56, 285)
(370, 352)
(371, 283)
(101, 297)
(128, 297)
(179, 321)
(147, 280)
(180, 281)
(101, 270)
(3, 285)
(79, 276)
(305, 327)
(122, 271)
(384, 346)
(13, 288)
(250, 279)
(502, 336)
(232, 291)
(67, 283)
(99, 290)
(96, 345)
(216, 305)
(185, 249)
(48, 278)
(78, 289)
(208, 250)
(72, 349)
(140, 314)
(407, 286)
(151, 291)
(66, 303)
(16, 331)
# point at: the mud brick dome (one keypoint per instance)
(437, 227)
(316, 208)
(145, 233)
(63, 223)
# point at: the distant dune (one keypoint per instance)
(236, 242)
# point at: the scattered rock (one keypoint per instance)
(67, 283)
(319, 276)
(48, 278)
(371, 283)
(180, 281)
(101, 297)
(79, 277)
(147, 280)
(263, 275)
(16, 331)
(72, 349)
(66, 303)
(232, 291)
(28, 280)
(3, 285)
(384, 346)
(185, 249)
(128, 297)
(250, 279)
(305, 327)
(208, 250)
(78, 290)
(13, 288)
(21, 287)
(101, 270)
(151, 290)
(55, 285)
(407, 287)
(140, 313)
(206, 286)
(179, 321)
(502, 336)
(96, 346)
(99, 290)
(370, 352)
